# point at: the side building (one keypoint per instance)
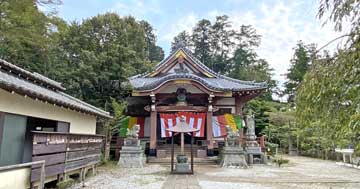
(39, 121)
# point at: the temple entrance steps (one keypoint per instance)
(197, 161)
(177, 149)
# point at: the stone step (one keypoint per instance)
(197, 161)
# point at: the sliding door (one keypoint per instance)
(12, 138)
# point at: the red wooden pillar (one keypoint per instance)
(209, 128)
(153, 115)
(153, 125)
(209, 134)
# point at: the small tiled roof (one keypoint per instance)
(217, 82)
(34, 85)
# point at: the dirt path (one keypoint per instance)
(300, 173)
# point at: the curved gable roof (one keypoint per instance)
(210, 79)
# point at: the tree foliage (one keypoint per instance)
(228, 51)
(92, 58)
(100, 53)
(26, 33)
(342, 12)
(299, 65)
(184, 38)
(327, 100)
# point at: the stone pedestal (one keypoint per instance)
(254, 154)
(182, 165)
(253, 150)
(182, 168)
(233, 156)
(131, 154)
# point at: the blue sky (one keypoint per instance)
(281, 23)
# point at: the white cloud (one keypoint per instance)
(183, 23)
(137, 8)
(281, 24)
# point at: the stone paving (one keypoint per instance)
(181, 181)
(300, 173)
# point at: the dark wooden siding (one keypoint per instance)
(64, 152)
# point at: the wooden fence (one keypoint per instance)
(64, 152)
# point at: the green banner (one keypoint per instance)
(238, 121)
(124, 126)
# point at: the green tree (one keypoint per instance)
(26, 33)
(184, 38)
(201, 40)
(154, 52)
(299, 66)
(222, 43)
(340, 12)
(102, 52)
(327, 100)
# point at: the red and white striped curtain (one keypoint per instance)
(194, 120)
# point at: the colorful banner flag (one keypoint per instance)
(221, 121)
(129, 122)
(218, 124)
(194, 120)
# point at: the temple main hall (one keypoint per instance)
(181, 85)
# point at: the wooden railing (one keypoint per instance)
(64, 152)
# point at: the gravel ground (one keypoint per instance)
(300, 173)
(113, 177)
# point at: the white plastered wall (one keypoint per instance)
(15, 179)
(17, 104)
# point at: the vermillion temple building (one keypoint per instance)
(181, 85)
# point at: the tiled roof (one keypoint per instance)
(30, 76)
(40, 87)
(220, 84)
(217, 82)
